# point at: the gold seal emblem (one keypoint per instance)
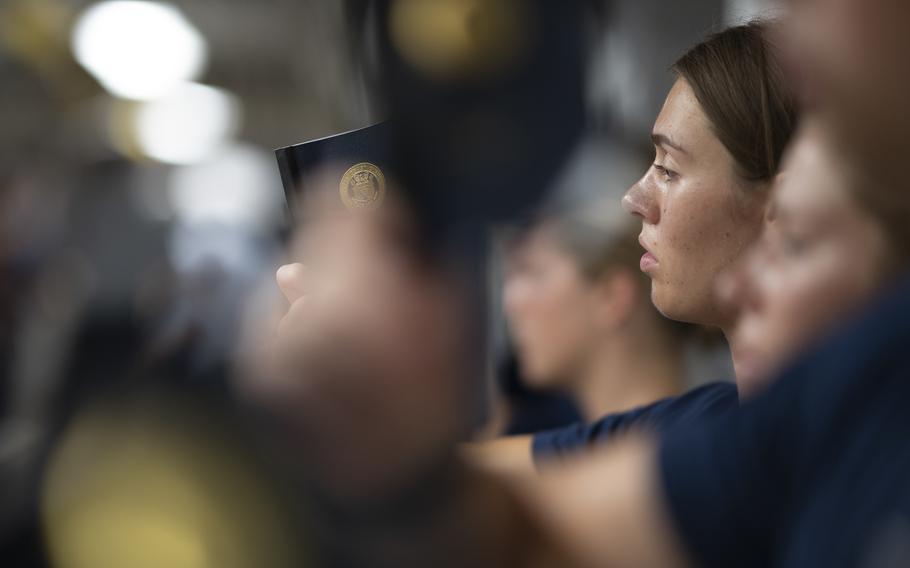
(362, 186)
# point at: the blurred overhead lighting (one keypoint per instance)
(187, 126)
(239, 187)
(138, 50)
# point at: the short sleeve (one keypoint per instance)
(709, 400)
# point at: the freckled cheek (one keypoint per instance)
(683, 241)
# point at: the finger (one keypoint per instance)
(291, 280)
(294, 322)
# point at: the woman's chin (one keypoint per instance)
(672, 308)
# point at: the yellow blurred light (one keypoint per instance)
(33, 30)
(148, 482)
(461, 39)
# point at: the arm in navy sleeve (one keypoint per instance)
(709, 400)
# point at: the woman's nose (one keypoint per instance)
(638, 200)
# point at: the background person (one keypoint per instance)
(580, 317)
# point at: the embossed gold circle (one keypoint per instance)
(362, 186)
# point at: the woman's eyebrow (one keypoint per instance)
(663, 140)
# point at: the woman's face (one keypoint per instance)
(697, 215)
(548, 305)
(818, 259)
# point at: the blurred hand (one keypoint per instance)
(367, 359)
(291, 280)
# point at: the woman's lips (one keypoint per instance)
(648, 262)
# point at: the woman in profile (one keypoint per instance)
(718, 145)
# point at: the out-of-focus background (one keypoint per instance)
(138, 188)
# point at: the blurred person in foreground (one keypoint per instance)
(848, 59)
(372, 357)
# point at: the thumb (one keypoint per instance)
(291, 280)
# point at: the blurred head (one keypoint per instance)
(849, 58)
(570, 284)
(823, 254)
(718, 142)
(374, 311)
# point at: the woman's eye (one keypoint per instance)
(666, 174)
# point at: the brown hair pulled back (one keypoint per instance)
(738, 80)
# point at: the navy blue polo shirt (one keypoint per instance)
(815, 471)
(712, 399)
